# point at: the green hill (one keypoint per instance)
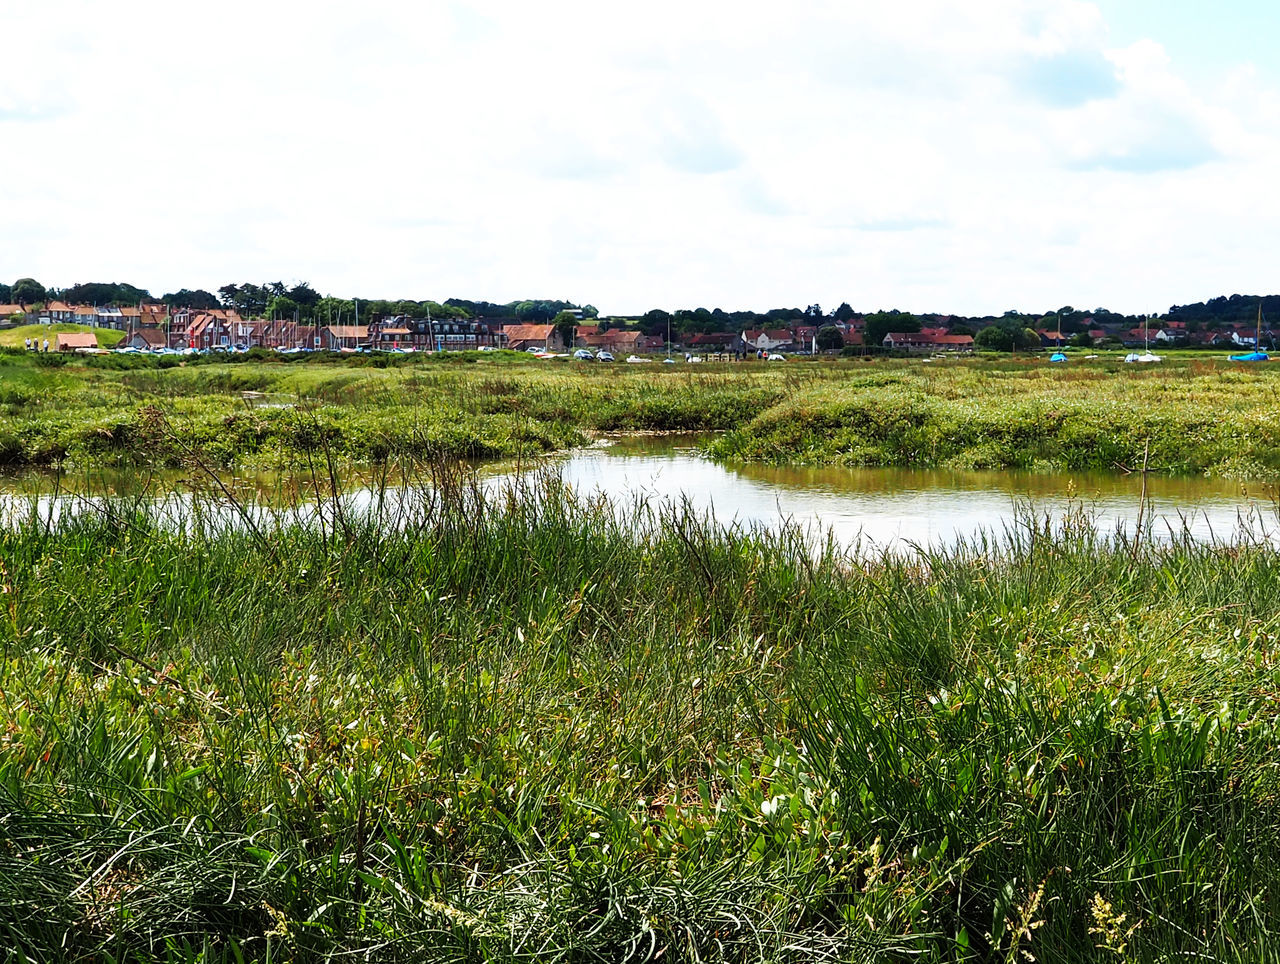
(14, 337)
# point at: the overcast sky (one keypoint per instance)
(921, 154)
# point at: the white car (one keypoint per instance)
(604, 356)
(774, 356)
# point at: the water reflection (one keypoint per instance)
(869, 508)
(894, 507)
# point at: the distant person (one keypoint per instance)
(46, 344)
(28, 342)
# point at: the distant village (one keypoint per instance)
(158, 327)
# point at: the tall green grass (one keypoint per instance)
(524, 725)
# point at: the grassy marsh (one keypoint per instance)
(526, 729)
(1196, 415)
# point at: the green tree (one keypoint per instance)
(535, 312)
(994, 338)
(105, 293)
(333, 311)
(27, 291)
(6, 292)
(843, 313)
(829, 338)
(1027, 339)
(199, 299)
(655, 322)
(283, 308)
(882, 323)
(1081, 340)
(565, 324)
(303, 294)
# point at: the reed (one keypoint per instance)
(449, 723)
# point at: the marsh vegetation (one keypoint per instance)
(1192, 416)
(524, 726)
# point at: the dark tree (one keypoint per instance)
(566, 323)
(829, 338)
(783, 315)
(882, 323)
(6, 292)
(304, 295)
(106, 293)
(654, 321)
(199, 299)
(843, 313)
(27, 291)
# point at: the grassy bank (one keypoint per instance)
(1190, 415)
(527, 730)
(125, 410)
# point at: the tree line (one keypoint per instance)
(304, 303)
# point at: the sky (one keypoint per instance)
(922, 155)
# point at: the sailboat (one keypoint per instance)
(1257, 354)
(1146, 357)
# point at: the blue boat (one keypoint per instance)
(1057, 356)
(1257, 354)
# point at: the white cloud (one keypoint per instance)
(924, 154)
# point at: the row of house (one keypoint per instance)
(158, 326)
(224, 328)
(59, 312)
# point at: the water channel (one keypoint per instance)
(892, 508)
(871, 509)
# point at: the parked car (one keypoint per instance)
(583, 355)
(604, 356)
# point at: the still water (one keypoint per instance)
(892, 508)
(869, 509)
